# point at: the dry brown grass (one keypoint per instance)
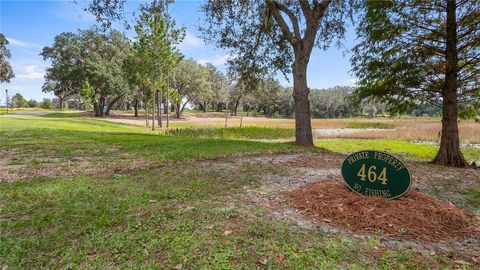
(411, 129)
(423, 129)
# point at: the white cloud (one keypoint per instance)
(23, 44)
(191, 41)
(31, 72)
(217, 60)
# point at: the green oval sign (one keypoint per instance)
(374, 173)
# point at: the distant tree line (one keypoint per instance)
(18, 101)
(408, 54)
(270, 99)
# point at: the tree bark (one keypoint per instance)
(165, 108)
(109, 107)
(183, 107)
(177, 110)
(135, 106)
(95, 108)
(61, 101)
(303, 126)
(98, 106)
(153, 111)
(168, 100)
(302, 48)
(146, 112)
(159, 109)
(449, 153)
(237, 102)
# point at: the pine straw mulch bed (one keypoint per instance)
(413, 216)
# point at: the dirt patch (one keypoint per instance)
(316, 161)
(70, 167)
(413, 216)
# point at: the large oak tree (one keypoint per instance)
(89, 55)
(64, 77)
(269, 36)
(414, 52)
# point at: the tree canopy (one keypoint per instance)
(413, 52)
(89, 55)
(269, 36)
(6, 72)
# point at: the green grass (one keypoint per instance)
(21, 110)
(170, 214)
(67, 114)
(413, 151)
(250, 132)
(160, 218)
(473, 197)
(378, 125)
(65, 137)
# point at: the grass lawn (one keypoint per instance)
(174, 213)
(66, 135)
(163, 218)
(409, 150)
(249, 133)
(22, 110)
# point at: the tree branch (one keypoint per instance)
(276, 7)
(307, 11)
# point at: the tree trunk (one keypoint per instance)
(159, 109)
(165, 108)
(61, 102)
(153, 111)
(109, 107)
(168, 100)
(95, 108)
(146, 113)
(204, 106)
(226, 116)
(98, 106)
(303, 126)
(177, 109)
(449, 153)
(183, 107)
(236, 106)
(135, 106)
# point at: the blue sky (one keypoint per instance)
(31, 25)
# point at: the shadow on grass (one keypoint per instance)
(63, 115)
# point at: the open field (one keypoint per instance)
(84, 193)
(22, 110)
(415, 138)
(417, 129)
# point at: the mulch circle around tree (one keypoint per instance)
(413, 216)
